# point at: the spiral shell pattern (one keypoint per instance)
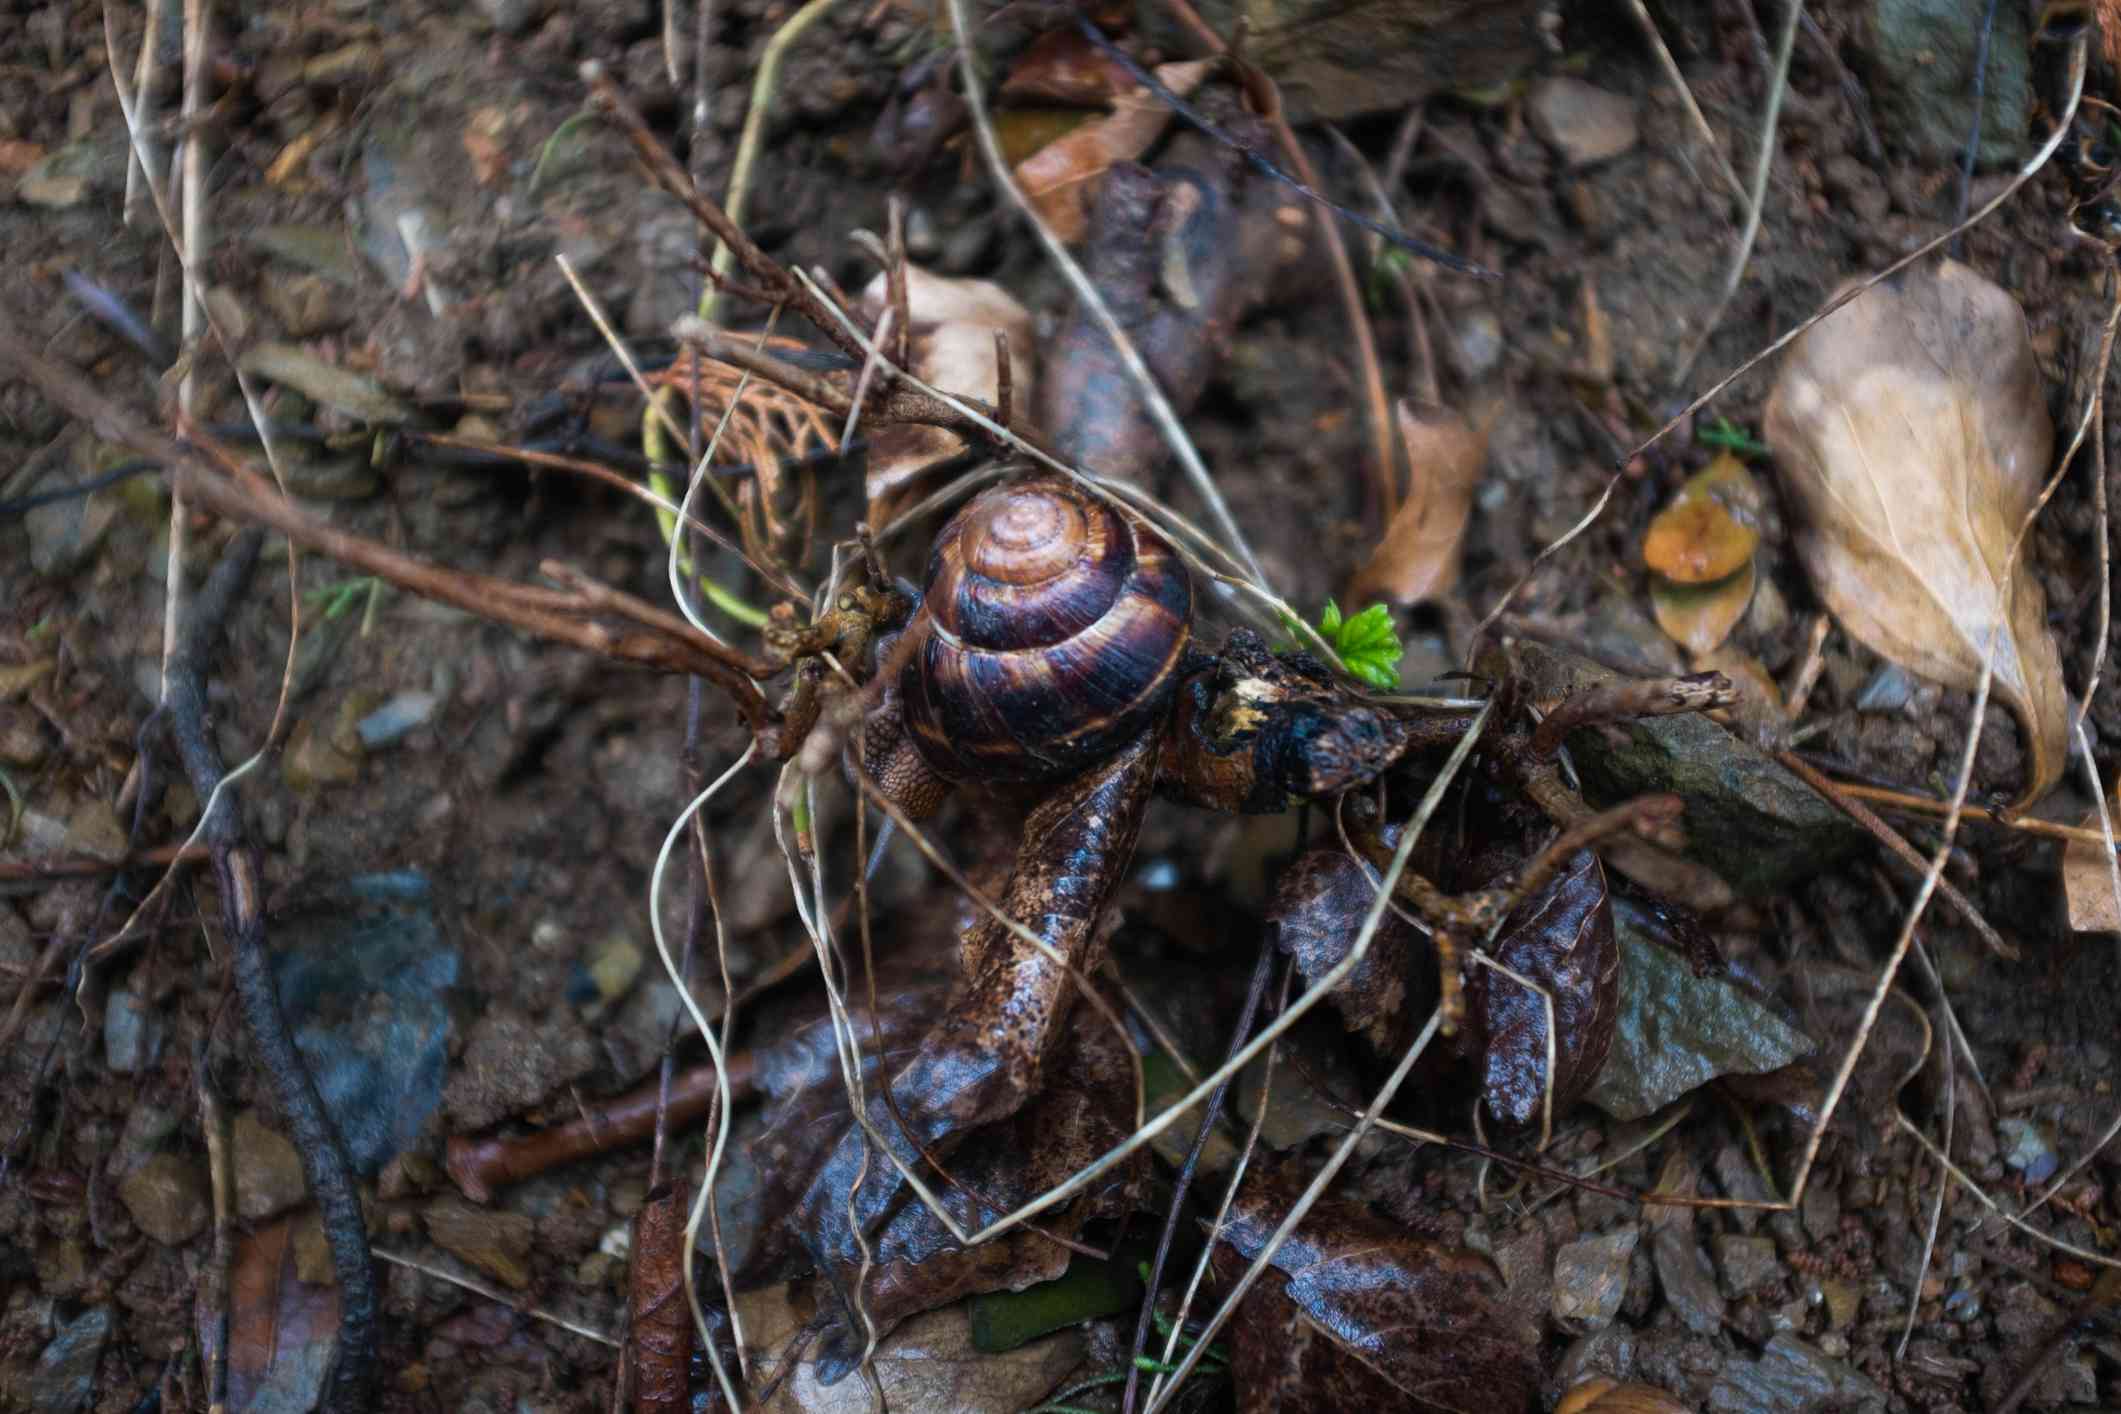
(1053, 628)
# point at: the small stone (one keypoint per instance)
(306, 304)
(1591, 1277)
(132, 1032)
(1856, 187)
(1821, 1212)
(22, 737)
(605, 977)
(1791, 1377)
(167, 1196)
(312, 760)
(2027, 1149)
(1583, 123)
(510, 1063)
(65, 1378)
(1738, 1178)
(65, 535)
(1746, 1263)
(268, 1170)
(496, 1243)
(1478, 342)
(1843, 1302)
(94, 830)
(389, 724)
(1689, 1282)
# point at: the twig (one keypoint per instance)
(1930, 805)
(1686, 101)
(213, 1287)
(238, 872)
(495, 1295)
(665, 643)
(1254, 994)
(1886, 835)
(1160, 410)
(1756, 200)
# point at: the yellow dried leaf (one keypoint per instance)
(1710, 528)
(1912, 430)
(952, 348)
(1061, 177)
(1599, 1395)
(1418, 557)
(1700, 616)
(2088, 878)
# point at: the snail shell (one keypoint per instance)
(1053, 624)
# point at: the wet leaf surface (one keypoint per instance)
(1699, 617)
(1911, 426)
(1357, 1313)
(1561, 941)
(281, 1327)
(1709, 530)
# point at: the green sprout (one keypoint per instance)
(1732, 438)
(336, 599)
(1367, 643)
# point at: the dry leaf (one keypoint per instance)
(1065, 67)
(2088, 877)
(1418, 557)
(927, 1366)
(1913, 432)
(952, 347)
(1061, 177)
(1707, 532)
(1599, 1395)
(1700, 616)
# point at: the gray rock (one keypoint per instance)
(1582, 122)
(1746, 1263)
(388, 724)
(1920, 55)
(1758, 826)
(65, 535)
(132, 1033)
(65, 1378)
(1738, 1178)
(1689, 1283)
(1591, 1277)
(1792, 1377)
(1677, 1031)
(364, 983)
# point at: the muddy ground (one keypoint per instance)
(501, 843)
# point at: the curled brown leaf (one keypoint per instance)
(1912, 430)
(1417, 558)
(1061, 177)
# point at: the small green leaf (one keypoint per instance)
(1729, 436)
(1367, 643)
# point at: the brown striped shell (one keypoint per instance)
(1052, 626)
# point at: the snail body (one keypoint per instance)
(1053, 626)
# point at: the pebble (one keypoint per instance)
(1689, 1282)
(1792, 1377)
(1890, 689)
(167, 1196)
(1584, 123)
(390, 723)
(2027, 1149)
(1746, 1263)
(312, 759)
(511, 1062)
(95, 830)
(1738, 1178)
(268, 1170)
(1477, 340)
(1591, 1277)
(496, 1243)
(65, 1378)
(132, 1033)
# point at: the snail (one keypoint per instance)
(1052, 632)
